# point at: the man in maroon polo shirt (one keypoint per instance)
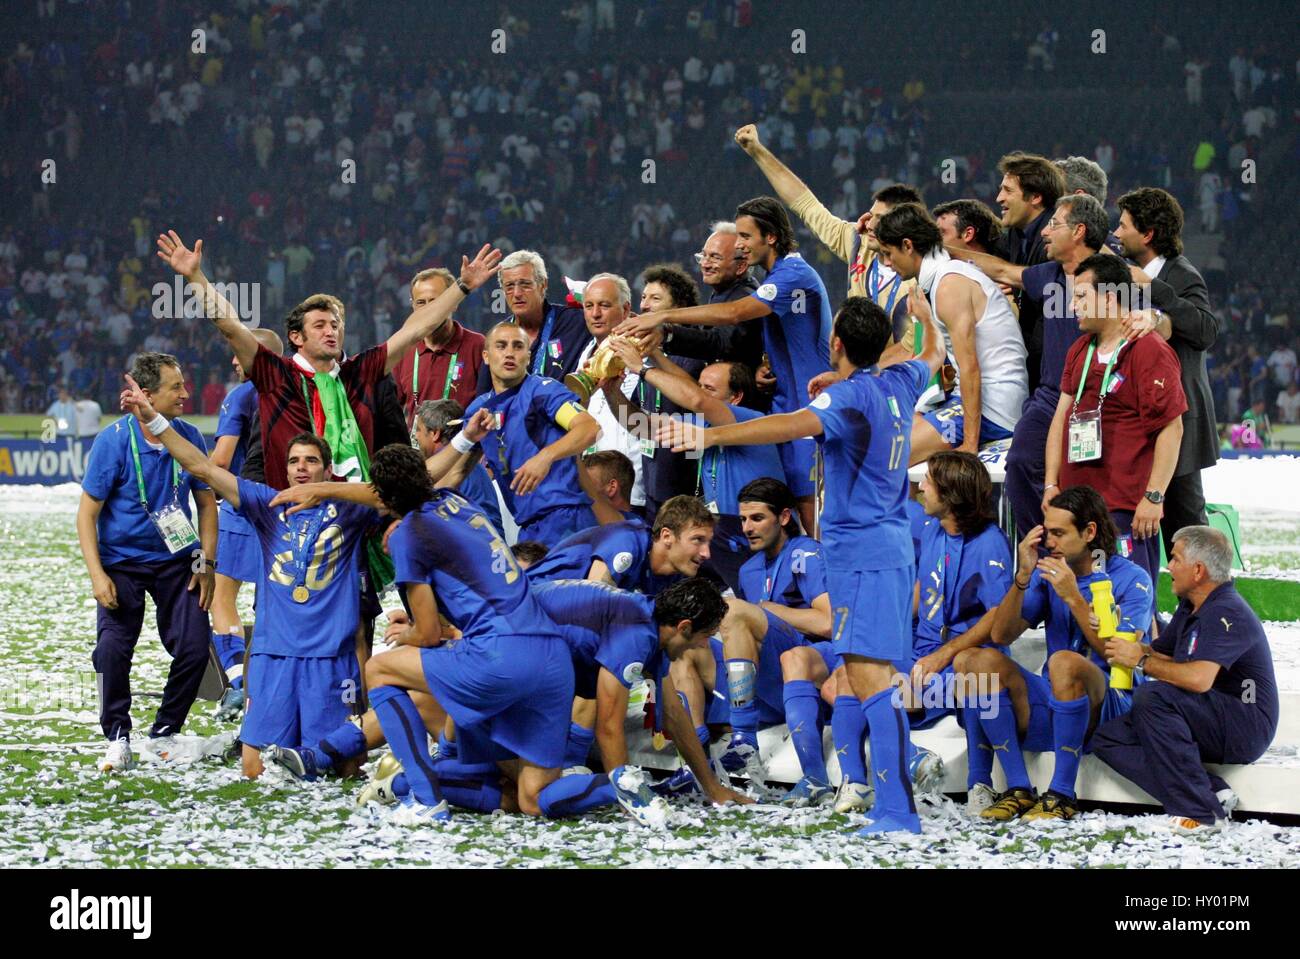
(448, 362)
(289, 400)
(1118, 423)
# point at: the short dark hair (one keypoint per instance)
(147, 369)
(964, 487)
(909, 221)
(771, 492)
(973, 214)
(436, 414)
(311, 439)
(681, 513)
(772, 219)
(897, 193)
(1086, 506)
(529, 551)
(696, 599)
(400, 478)
(1153, 209)
(775, 495)
(293, 323)
(676, 281)
(1106, 269)
(740, 379)
(864, 330)
(613, 465)
(1036, 175)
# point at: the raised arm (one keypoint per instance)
(709, 314)
(307, 495)
(837, 234)
(188, 263)
(428, 318)
(760, 431)
(190, 457)
(676, 384)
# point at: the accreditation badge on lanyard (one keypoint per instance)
(173, 526)
(1084, 441)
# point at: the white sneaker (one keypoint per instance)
(1229, 800)
(854, 797)
(118, 758)
(575, 771)
(412, 813)
(979, 798)
(633, 791)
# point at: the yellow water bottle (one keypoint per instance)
(1121, 677)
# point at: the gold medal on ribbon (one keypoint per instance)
(301, 594)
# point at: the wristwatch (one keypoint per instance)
(1154, 496)
(464, 287)
(646, 364)
(1141, 663)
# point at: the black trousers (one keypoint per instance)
(1184, 506)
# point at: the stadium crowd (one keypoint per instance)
(696, 479)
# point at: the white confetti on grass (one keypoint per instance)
(56, 810)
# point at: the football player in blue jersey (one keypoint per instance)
(1058, 708)
(782, 608)
(507, 690)
(238, 555)
(861, 417)
(632, 556)
(301, 683)
(795, 309)
(531, 430)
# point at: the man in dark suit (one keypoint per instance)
(1031, 185)
(1150, 231)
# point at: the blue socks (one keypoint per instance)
(702, 734)
(1069, 726)
(477, 793)
(801, 709)
(342, 744)
(447, 748)
(849, 729)
(1000, 730)
(404, 729)
(230, 653)
(579, 745)
(891, 746)
(570, 795)
(979, 754)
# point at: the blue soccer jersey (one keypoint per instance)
(478, 489)
(961, 578)
(624, 548)
(725, 470)
(310, 601)
(528, 415)
(615, 629)
(449, 544)
(866, 440)
(1131, 587)
(797, 333)
(238, 414)
(794, 578)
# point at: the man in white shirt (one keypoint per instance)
(607, 302)
(1288, 404)
(64, 413)
(1282, 361)
(89, 413)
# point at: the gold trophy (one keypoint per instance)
(603, 363)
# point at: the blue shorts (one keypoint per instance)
(826, 649)
(949, 422)
(555, 524)
(239, 552)
(1038, 737)
(509, 695)
(873, 612)
(937, 696)
(798, 460)
(297, 701)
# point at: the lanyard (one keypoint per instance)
(713, 473)
(544, 341)
(139, 473)
(1105, 376)
(640, 386)
(415, 381)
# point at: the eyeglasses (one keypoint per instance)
(702, 258)
(521, 285)
(1054, 225)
